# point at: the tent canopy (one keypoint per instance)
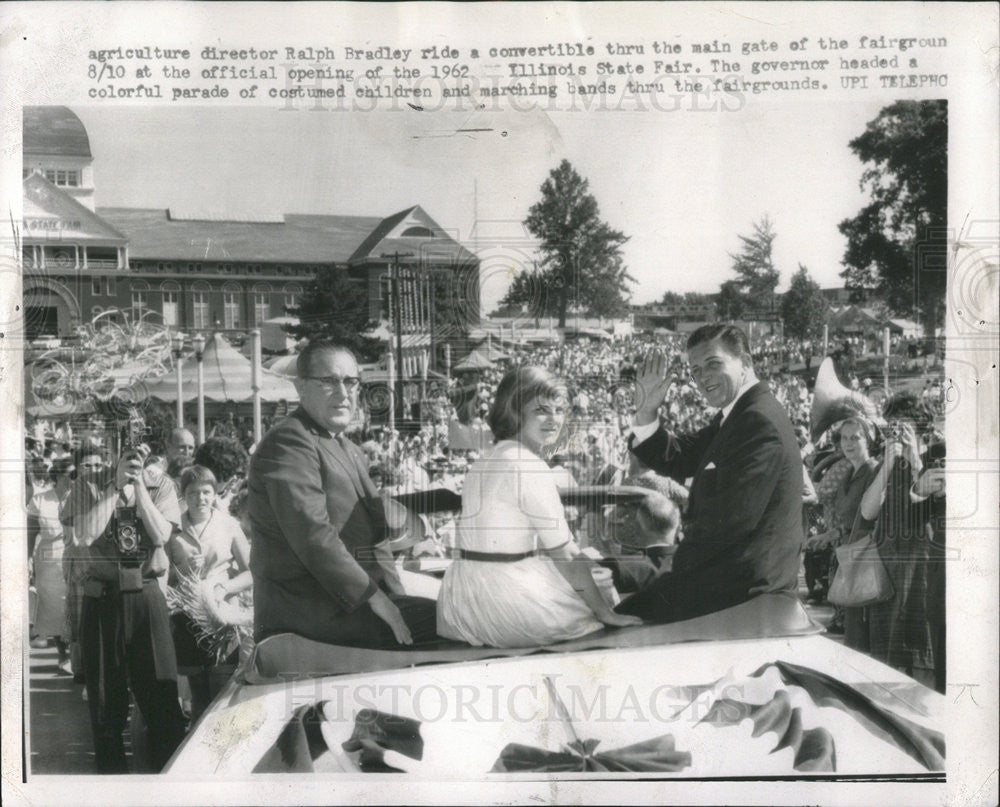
(491, 351)
(227, 377)
(474, 361)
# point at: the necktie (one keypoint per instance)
(716, 422)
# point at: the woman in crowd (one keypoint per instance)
(50, 486)
(840, 489)
(519, 579)
(92, 471)
(899, 512)
(226, 458)
(209, 546)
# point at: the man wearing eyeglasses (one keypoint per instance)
(318, 555)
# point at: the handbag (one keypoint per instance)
(861, 578)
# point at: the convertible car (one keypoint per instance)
(750, 691)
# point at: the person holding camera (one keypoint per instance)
(903, 507)
(121, 522)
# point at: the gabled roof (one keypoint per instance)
(294, 238)
(153, 234)
(44, 202)
(54, 130)
(409, 231)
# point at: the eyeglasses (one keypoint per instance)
(328, 382)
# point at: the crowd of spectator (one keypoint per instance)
(75, 482)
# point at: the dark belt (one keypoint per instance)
(494, 557)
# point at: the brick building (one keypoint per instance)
(201, 273)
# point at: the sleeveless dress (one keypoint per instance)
(511, 505)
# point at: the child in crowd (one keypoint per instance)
(210, 546)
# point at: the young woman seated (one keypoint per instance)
(520, 579)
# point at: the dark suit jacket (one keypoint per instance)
(315, 517)
(743, 526)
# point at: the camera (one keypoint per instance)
(127, 531)
(131, 432)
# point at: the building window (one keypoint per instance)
(64, 179)
(95, 286)
(110, 287)
(159, 266)
(96, 311)
(261, 307)
(291, 296)
(420, 232)
(138, 303)
(231, 309)
(170, 309)
(199, 301)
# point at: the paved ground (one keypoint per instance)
(59, 734)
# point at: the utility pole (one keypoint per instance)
(396, 311)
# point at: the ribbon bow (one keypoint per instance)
(657, 754)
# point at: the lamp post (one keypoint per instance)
(885, 366)
(391, 367)
(177, 342)
(396, 319)
(199, 352)
(255, 382)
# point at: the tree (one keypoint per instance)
(335, 307)
(731, 301)
(687, 298)
(756, 277)
(581, 261)
(897, 243)
(804, 308)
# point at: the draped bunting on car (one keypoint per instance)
(790, 701)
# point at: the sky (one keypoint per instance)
(682, 185)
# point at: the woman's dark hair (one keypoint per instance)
(197, 475)
(225, 457)
(517, 389)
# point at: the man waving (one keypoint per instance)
(743, 526)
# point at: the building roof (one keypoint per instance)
(293, 238)
(55, 131)
(413, 233)
(51, 214)
(154, 234)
